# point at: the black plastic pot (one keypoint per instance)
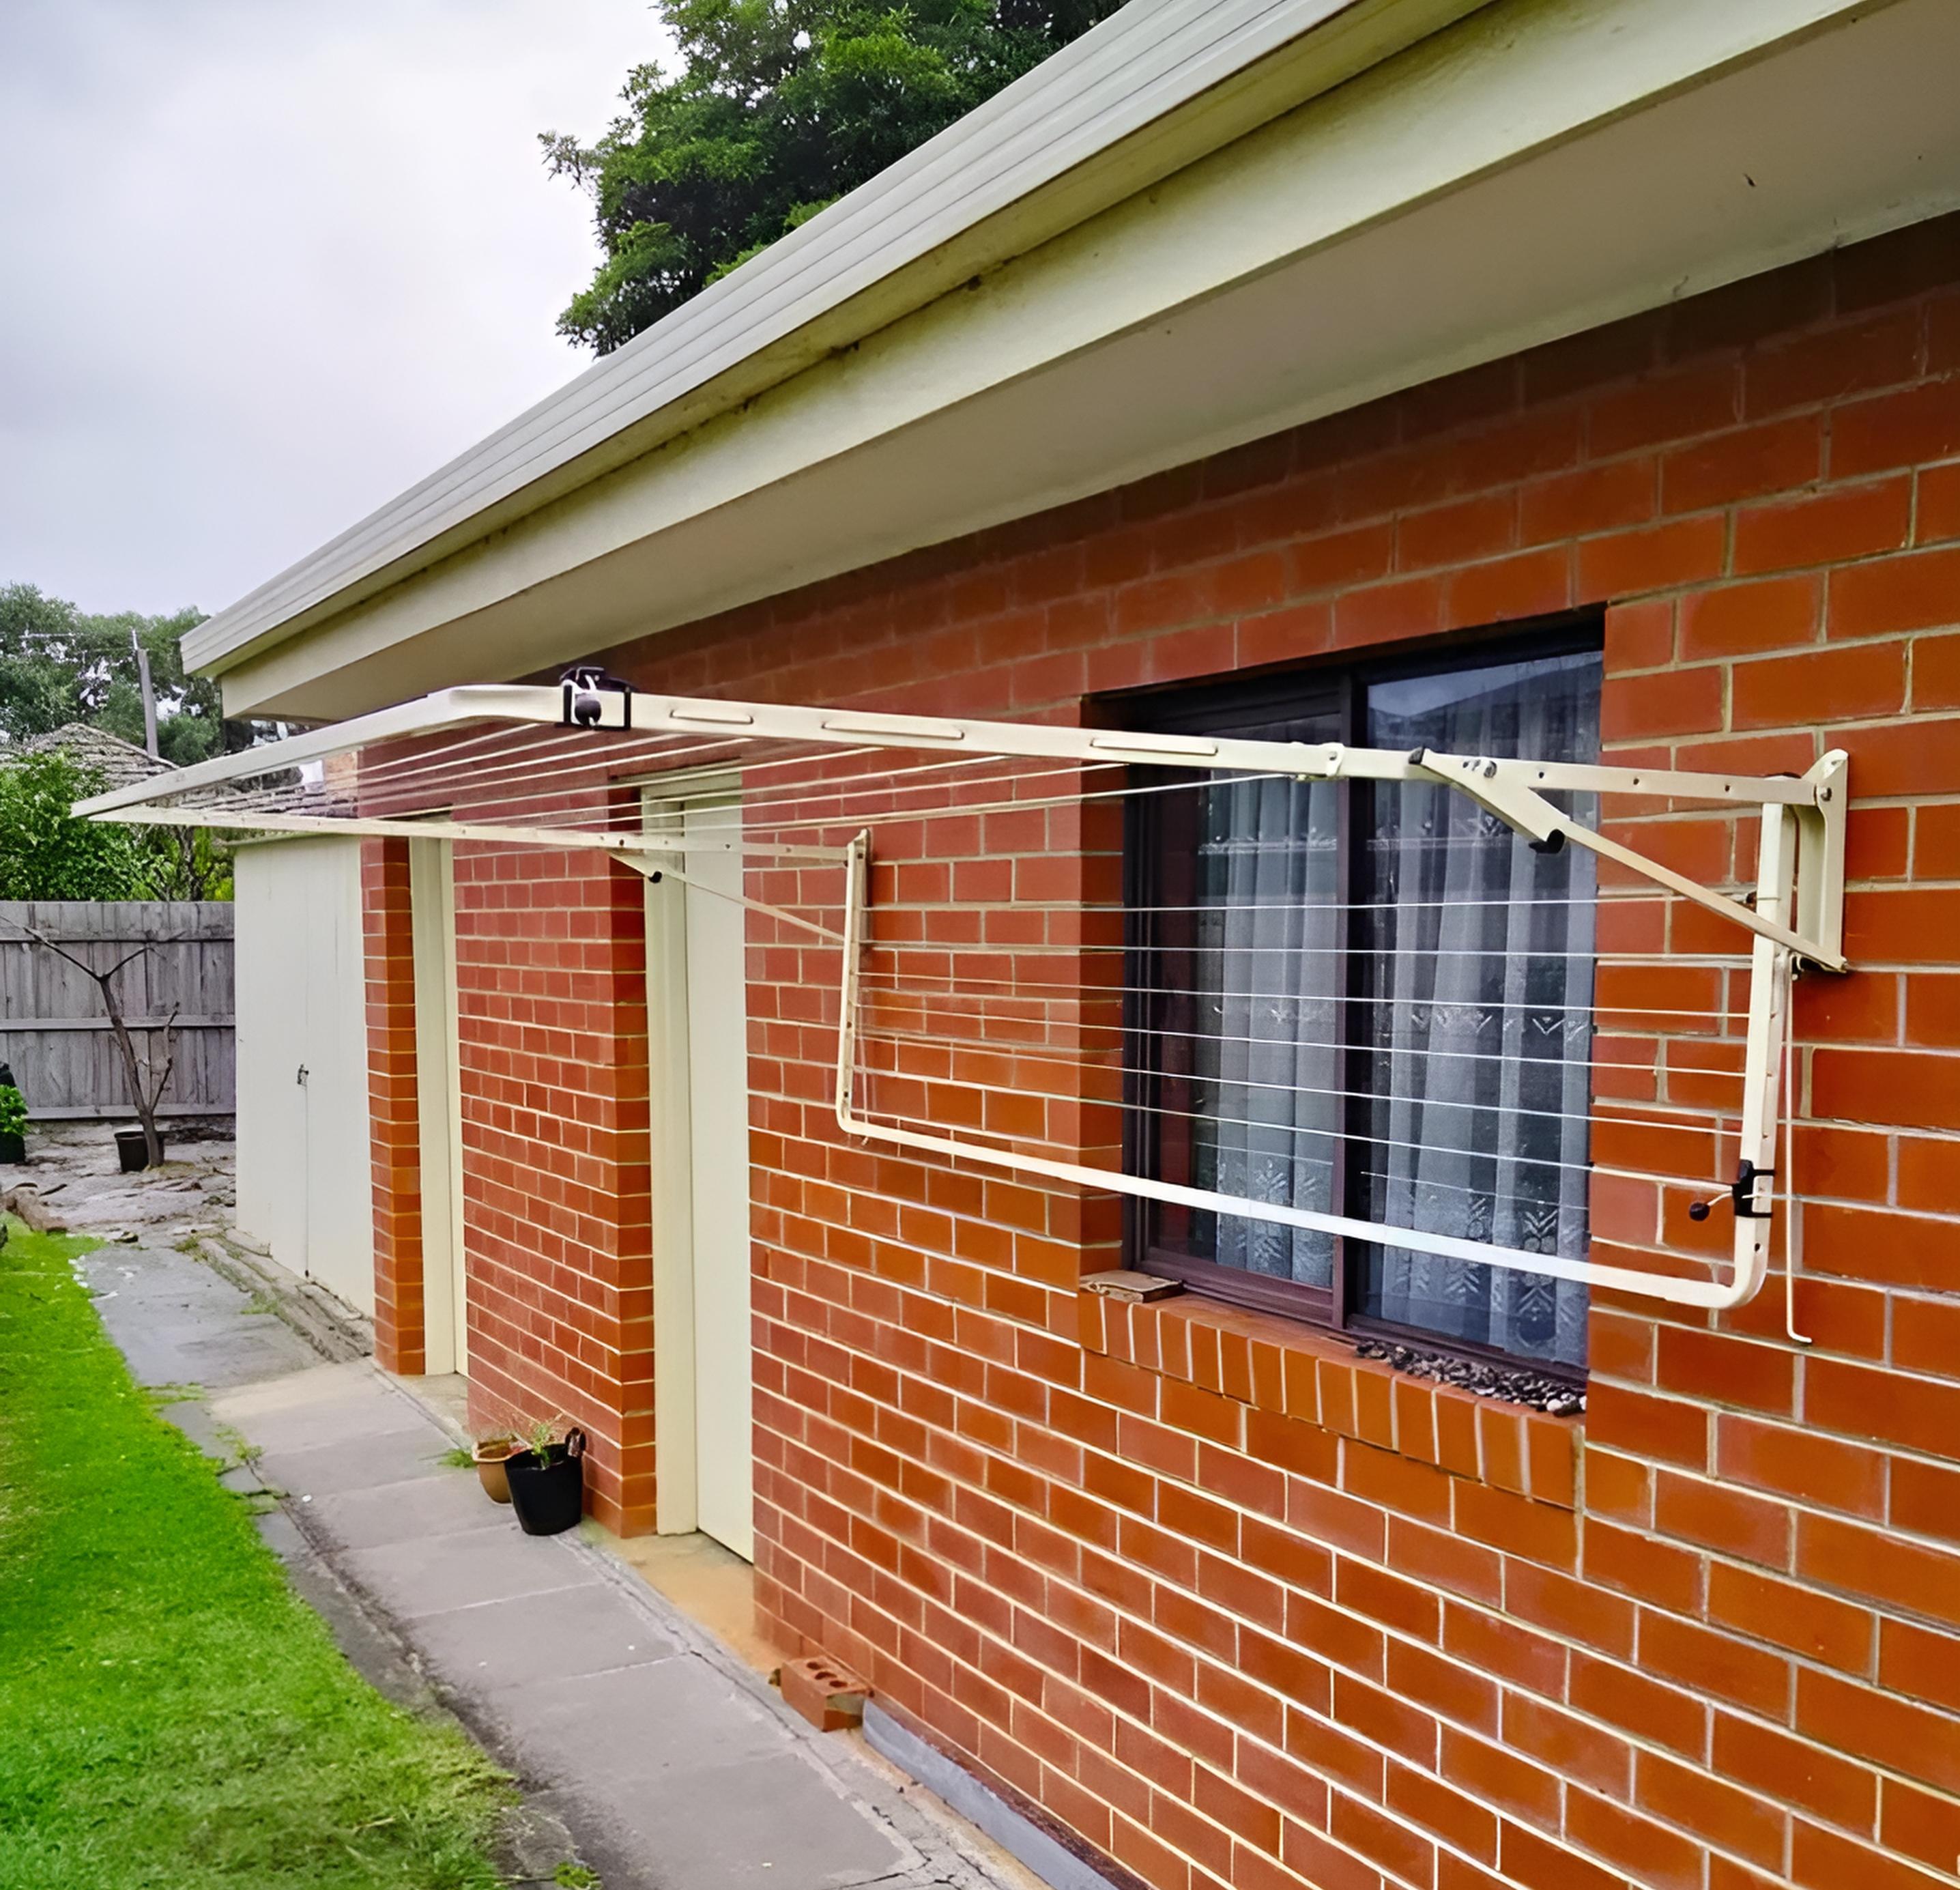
(13, 1148)
(133, 1152)
(548, 1489)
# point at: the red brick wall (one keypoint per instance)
(1232, 1606)
(392, 1120)
(552, 1010)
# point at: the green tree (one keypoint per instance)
(57, 664)
(778, 108)
(46, 853)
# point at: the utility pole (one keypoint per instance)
(149, 691)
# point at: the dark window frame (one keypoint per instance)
(1250, 703)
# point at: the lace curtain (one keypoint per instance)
(1479, 959)
(1267, 962)
(1469, 963)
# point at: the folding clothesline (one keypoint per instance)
(812, 798)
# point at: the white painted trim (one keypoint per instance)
(439, 1107)
(676, 1483)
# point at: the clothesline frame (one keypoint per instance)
(1795, 918)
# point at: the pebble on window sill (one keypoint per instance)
(1555, 1397)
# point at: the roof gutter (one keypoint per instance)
(1152, 89)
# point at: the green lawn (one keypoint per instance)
(171, 1716)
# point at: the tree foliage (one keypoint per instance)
(45, 853)
(778, 108)
(57, 664)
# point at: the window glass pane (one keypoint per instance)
(1474, 956)
(1265, 967)
(1245, 958)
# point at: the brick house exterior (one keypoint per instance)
(1227, 1604)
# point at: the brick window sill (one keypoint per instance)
(1280, 1366)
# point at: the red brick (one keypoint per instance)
(1729, 1520)
(1919, 1824)
(1592, 498)
(1630, 564)
(1636, 1565)
(1917, 590)
(1939, 504)
(1798, 1462)
(1537, 1730)
(1639, 636)
(1925, 1499)
(1902, 262)
(1821, 1860)
(1936, 845)
(1453, 534)
(1933, 1019)
(1821, 687)
(1712, 1809)
(1666, 702)
(1825, 528)
(1532, 584)
(1905, 1089)
(1935, 673)
(1853, 1719)
(1772, 457)
(1674, 406)
(1918, 1661)
(1719, 1369)
(1532, 1860)
(1780, 1768)
(1537, 1531)
(1741, 619)
(1788, 1615)
(1702, 1661)
(1661, 1859)
(1874, 1563)
(1381, 613)
(1896, 429)
(1843, 360)
(1342, 558)
(1917, 757)
(1636, 1423)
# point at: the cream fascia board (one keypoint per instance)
(1516, 92)
(1139, 97)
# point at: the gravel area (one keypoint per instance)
(1557, 1397)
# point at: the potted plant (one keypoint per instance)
(13, 1119)
(490, 1456)
(547, 1481)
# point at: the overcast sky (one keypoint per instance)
(263, 263)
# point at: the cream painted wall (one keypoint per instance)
(304, 1185)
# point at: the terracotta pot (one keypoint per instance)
(491, 1454)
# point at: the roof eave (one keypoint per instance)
(749, 332)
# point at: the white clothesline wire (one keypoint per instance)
(1586, 1115)
(1086, 993)
(1092, 1059)
(1011, 1139)
(964, 948)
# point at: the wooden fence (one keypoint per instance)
(52, 1030)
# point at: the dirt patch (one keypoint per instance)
(72, 1181)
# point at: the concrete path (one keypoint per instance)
(670, 1765)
